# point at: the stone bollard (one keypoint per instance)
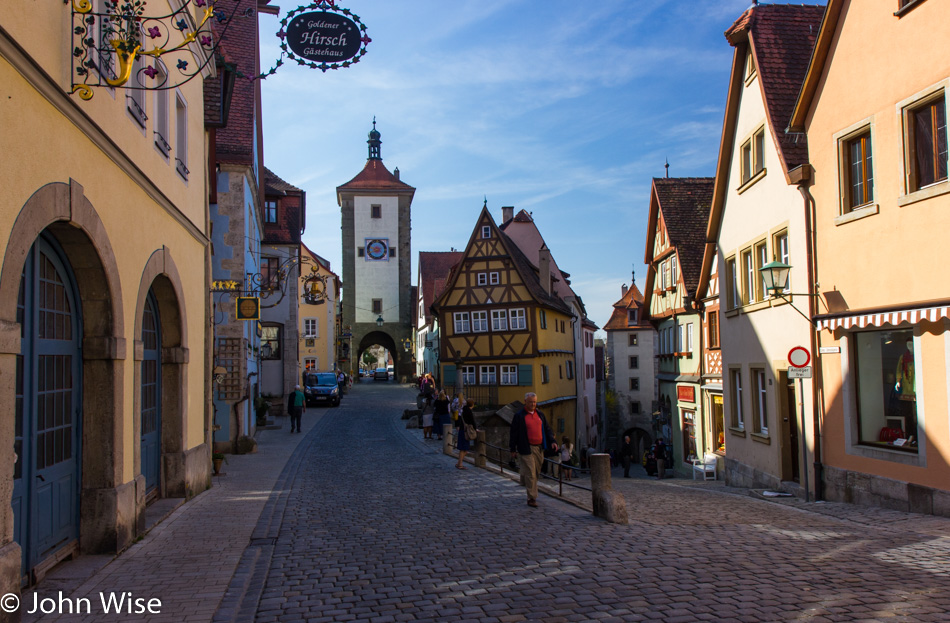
(448, 439)
(660, 469)
(480, 449)
(608, 504)
(413, 422)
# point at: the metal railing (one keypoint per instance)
(502, 459)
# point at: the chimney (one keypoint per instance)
(623, 290)
(544, 267)
(507, 213)
(396, 173)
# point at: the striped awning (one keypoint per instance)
(879, 319)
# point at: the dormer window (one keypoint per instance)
(270, 211)
(631, 316)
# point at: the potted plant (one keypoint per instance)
(216, 459)
(261, 407)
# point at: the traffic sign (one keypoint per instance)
(803, 372)
(799, 357)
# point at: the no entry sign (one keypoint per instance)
(799, 357)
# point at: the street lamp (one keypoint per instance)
(379, 321)
(775, 277)
(775, 280)
(406, 344)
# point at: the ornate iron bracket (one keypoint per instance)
(272, 287)
(107, 45)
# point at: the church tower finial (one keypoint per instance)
(374, 142)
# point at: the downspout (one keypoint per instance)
(578, 385)
(812, 270)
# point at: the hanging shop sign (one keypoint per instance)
(248, 308)
(321, 36)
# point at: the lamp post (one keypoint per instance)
(379, 321)
(775, 279)
(459, 380)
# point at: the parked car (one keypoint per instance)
(321, 387)
(381, 374)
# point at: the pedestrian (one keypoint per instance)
(426, 425)
(467, 418)
(529, 437)
(429, 393)
(296, 405)
(626, 455)
(341, 381)
(567, 450)
(440, 417)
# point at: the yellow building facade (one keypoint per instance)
(503, 333)
(103, 367)
(318, 321)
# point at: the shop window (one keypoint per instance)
(270, 342)
(310, 364)
(689, 435)
(718, 424)
(886, 390)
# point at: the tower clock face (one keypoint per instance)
(377, 249)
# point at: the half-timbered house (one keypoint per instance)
(503, 331)
(679, 211)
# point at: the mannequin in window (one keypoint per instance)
(905, 374)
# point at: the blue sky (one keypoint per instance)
(564, 109)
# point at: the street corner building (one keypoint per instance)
(103, 297)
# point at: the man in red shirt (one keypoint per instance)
(530, 436)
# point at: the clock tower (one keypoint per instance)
(377, 306)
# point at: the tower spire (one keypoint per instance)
(374, 142)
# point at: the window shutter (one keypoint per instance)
(524, 374)
(448, 376)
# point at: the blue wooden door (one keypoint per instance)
(151, 395)
(48, 402)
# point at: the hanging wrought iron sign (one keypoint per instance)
(123, 47)
(321, 36)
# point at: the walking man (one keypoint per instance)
(530, 437)
(626, 455)
(296, 405)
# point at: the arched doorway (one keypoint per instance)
(151, 396)
(48, 407)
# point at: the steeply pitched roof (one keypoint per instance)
(530, 274)
(276, 186)
(684, 203)
(375, 176)
(434, 269)
(633, 299)
(782, 37)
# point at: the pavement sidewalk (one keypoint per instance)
(187, 561)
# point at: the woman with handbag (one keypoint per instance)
(465, 432)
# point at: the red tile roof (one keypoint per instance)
(291, 213)
(375, 176)
(633, 299)
(274, 185)
(782, 37)
(434, 269)
(684, 203)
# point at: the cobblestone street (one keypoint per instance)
(359, 519)
(380, 526)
